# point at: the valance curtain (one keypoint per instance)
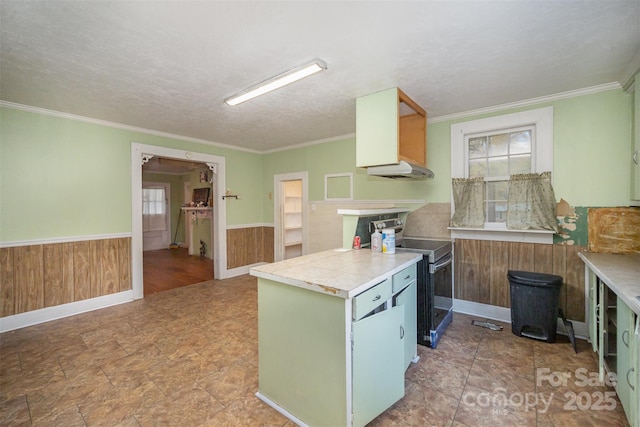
(468, 198)
(531, 203)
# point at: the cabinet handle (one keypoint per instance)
(402, 336)
(629, 382)
(626, 331)
(408, 277)
(376, 298)
(635, 157)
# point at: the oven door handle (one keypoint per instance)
(446, 260)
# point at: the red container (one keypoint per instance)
(356, 242)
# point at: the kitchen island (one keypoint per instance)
(336, 332)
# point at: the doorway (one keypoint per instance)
(290, 214)
(167, 199)
(141, 154)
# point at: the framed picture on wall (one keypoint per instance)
(201, 195)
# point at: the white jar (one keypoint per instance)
(389, 241)
(376, 242)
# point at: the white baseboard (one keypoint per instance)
(239, 271)
(492, 312)
(280, 409)
(34, 317)
(503, 314)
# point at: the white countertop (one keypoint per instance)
(341, 272)
(372, 211)
(621, 273)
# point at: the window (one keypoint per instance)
(153, 201)
(494, 148)
(494, 156)
(153, 209)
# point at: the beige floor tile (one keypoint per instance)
(189, 357)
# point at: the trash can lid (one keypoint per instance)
(531, 278)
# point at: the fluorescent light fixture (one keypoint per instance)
(278, 81)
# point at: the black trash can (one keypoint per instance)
(534, 304)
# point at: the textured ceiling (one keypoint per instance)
(167, 66)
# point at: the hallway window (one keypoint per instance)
(153, 209)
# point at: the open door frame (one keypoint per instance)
(141, 153)
(278, 235)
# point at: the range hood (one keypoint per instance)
(400, 170)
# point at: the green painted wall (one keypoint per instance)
(65, 178)
(339, 157)
(62, 178)
(592, 137)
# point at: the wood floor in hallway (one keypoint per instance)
(166, 269)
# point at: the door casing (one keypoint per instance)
(140, 153)
(278, 234)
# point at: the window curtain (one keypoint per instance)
(531, 204)
(468, 199)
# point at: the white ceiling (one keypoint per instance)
(167, 66)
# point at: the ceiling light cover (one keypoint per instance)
(278, 81)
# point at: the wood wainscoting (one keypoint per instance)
(249, 245)
(33, 277)
(481, 271)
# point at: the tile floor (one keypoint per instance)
(188, 357)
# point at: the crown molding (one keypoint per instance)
(115, 125)
(309, 143)
(455, 116)
(528, 102)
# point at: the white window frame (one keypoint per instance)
(541, 161)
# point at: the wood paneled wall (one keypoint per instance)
(246, 246)
(481, 271)
(39, 276)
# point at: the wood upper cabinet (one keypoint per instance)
(390, 127)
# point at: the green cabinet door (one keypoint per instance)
(624, 334)
(378, 364)
(377, 128)
(635, 146)
(602, 330)
(634, 376)
(409, 299)
(593, 311)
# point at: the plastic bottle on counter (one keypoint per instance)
(376, 241)
(389, 241)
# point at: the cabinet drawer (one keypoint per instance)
(368, 300)
(404, 277)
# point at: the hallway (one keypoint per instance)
(173, 268)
